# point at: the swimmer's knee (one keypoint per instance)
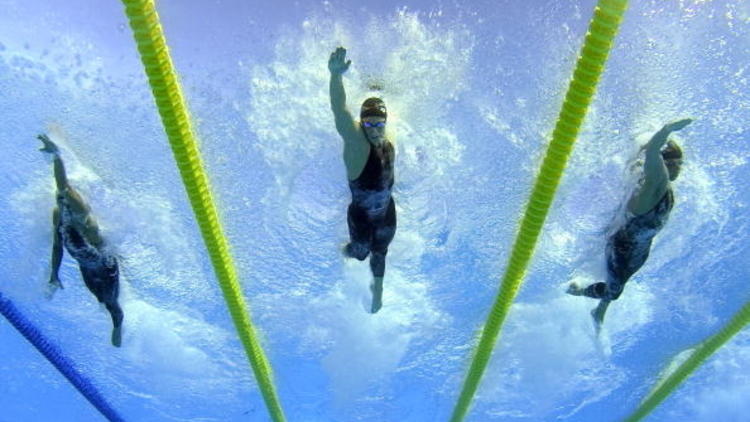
(357, 251)
(379, 253)
(116, 312)
(377, 263)
(614, 292)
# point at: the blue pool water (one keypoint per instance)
(473, 93)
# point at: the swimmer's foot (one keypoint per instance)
(117, 336)
(377, 297)
(574, 289)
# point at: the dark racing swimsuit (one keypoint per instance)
(372, 213)
(99, 269)
(628, 249)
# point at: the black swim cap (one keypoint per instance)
(373, 106)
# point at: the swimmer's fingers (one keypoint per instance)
(49, 146)
(52, 286)
(678, 125)
(337, 63)
(337, 56)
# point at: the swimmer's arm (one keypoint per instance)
(61, 178)
(57, 251)
(338, 64)
(92, 231)
(344, 120)
(656, 177)
(654, 168)
(657, 142)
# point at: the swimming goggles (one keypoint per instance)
(376, 124)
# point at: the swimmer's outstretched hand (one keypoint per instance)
(338, 64)
(49, 146)
(660, 138)
(675, 126)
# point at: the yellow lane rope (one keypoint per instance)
(596, 47)
(162, 77)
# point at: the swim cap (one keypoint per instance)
(671, 151)
(373, 106)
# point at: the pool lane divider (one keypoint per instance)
(170, 102)
(702, 352)
(597, 45)
(55, 356)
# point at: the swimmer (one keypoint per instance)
(368, 157)
(76, 229)
(647, 211)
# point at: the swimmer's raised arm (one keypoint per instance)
(337, 65)
(656, 176)
(61, 180)
(657, 141)
(654, 171)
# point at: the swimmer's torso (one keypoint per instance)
(371, 191)
(75, 229)
(642, 228)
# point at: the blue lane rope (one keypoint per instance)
(57, 359)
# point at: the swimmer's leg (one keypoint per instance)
(112, 304)
(598, 313)
(117, 316)
(360, 230)
(622, 262)
(595, 291)
(383, 236)
(576, 290)
(377, 266)
(357, 250)
(612, 291)
(57, 253)
(104, 282)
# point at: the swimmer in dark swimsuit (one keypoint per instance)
(647, 212)
(76, 229)
(368, 156)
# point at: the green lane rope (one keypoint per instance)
(169, 100)
(596, 47)
(696, 359)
